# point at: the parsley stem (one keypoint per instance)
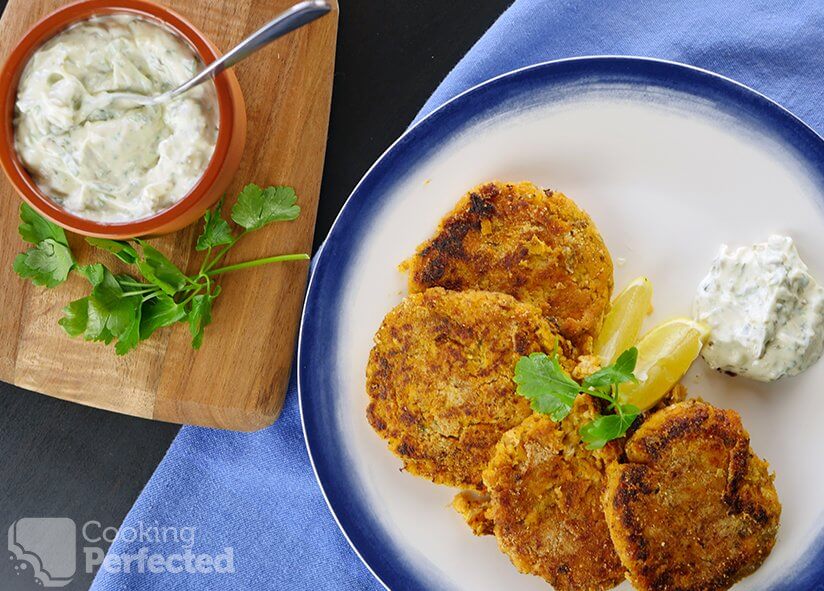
(598, 394)
(140, 291)
(614, 392)
(194, 283)
(223, 251)
(205, 260)
(258, 262)
(135, 284)
(190, 298)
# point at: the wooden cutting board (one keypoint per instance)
(238, 379)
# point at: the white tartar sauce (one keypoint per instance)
(764, 309)
(103, 159)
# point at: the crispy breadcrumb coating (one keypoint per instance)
(440, 383)
(693, 508)
(545, 492)
(534, 244)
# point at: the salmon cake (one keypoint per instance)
(693, 508)
(545, 492)
(474, 508)
(439, 379)
(533, 244)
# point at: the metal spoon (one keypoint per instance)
(287, 21)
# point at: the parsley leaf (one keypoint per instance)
(127, 309)
(596, 434)
(119, 248)
(94, 273)
(257, 207)
(157, 269)
(216, 230)
(48, 263)
(619, 372)
(549, 389)
(604, 384)
(159, 312)
(34, 228)
(111, 313)
(200, 316)
(75, 317)
(130, 336)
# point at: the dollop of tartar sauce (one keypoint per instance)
(764, 310)
(104, 159)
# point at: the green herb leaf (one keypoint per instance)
(110, 313)
(119, 248)
(552, 391)
(158, 312)
(546, 385)
(619, 372)
(625, 364)
(200, 316)
(94, 273)
(75, 317)
(257, 207)
(48, 263)
(597, 433)
(216, 230)
(96, 319)
(35, 228)
(108, 290)
(130, 337)
(129, 310)
(159, 270)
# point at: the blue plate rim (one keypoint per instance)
(783, 120)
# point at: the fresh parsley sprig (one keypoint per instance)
(129, 308)
(550, 390)
(50, 260)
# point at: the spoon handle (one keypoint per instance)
(286, 22)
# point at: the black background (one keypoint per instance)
(61, 459)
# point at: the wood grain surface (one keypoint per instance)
(237, 380)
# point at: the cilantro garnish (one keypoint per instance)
(551, 391)
(129, 308)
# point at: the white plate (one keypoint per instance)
(670, 161)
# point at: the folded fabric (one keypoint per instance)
(252, 499)
(769, 45)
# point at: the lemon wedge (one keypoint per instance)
(664, 355)
(624, 319)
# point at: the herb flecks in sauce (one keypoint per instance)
(104, 159)
(764, 309)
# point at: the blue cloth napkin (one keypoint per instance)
(256, 493)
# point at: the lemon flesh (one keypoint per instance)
(664, 355)
(622, 323)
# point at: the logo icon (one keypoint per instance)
(47, 546)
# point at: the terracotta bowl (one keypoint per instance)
(220, 170)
